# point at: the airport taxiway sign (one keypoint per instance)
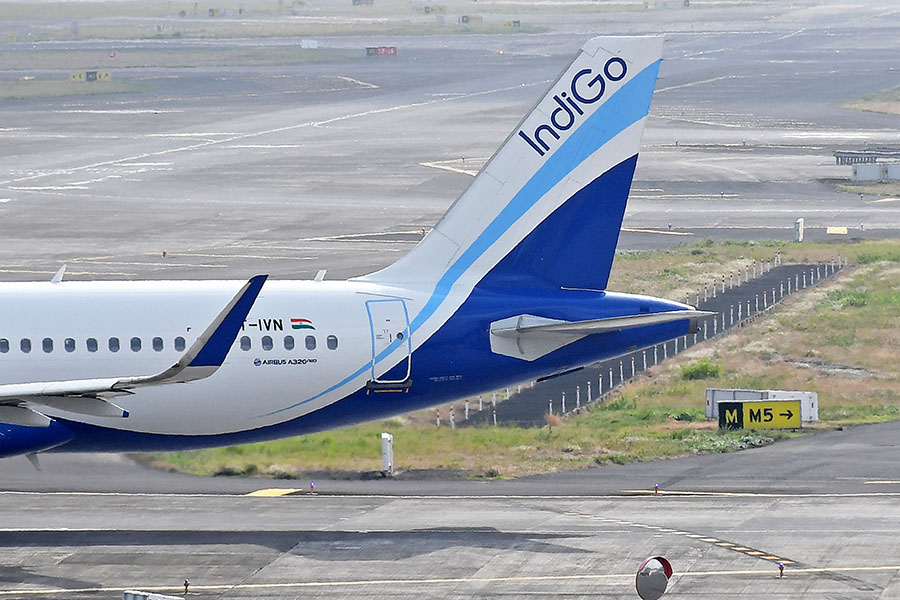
(766, 414)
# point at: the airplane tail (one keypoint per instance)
(546, 209)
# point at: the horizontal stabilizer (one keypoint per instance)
(529, 337)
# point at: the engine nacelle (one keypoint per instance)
(19, 439)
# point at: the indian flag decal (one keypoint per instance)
(301, 324)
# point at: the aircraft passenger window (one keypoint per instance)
(266, 342)
(91, 344)
(69, 345)
(4, 346)
(331, 342)
(113, 344)
(47, 345)
(245, 343)
(310, 342)
(157, 344)
(25, 345)
(288, 342)
(179, 344)
(135, 344)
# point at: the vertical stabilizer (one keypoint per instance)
(547, 207)
(578, 144)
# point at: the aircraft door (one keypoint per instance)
(389, 323)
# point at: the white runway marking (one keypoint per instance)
(760, 494)
(127, 263)
(692, 84)
(635, 495)
(598, 577)
(362, 84)
(227, 138)
(79, 273)
(118, 111)
(249, 256)
(264, 146)
(365, 237)
(448, 165)
(659, 231)
(46, 188)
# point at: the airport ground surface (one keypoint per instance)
(236, 170)
(826, 506)
(239, 170)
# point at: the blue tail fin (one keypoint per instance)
(574, 246)
(547, 207)
(549, 203)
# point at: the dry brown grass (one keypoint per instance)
(886, 101)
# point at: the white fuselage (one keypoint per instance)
(252, 388)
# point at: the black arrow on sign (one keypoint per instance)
(787, 414)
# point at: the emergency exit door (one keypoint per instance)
(389, 322)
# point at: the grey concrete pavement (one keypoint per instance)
(239, 170)
(825, 506)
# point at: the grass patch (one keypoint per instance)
(884, 189)
(885, 101)
(195, 57)
(701, 369)
(618, 433)
(134, 20)
(49, 88)
(838, 339)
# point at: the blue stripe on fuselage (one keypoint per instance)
(456, 361)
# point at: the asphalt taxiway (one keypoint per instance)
(825, 506)
(290, 169)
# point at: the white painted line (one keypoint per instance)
(361, 236)
(761, 494)
(118, 111)
(436, 581)
(227, 138)
(47, 188)
(445, 166)
(692, 84)
(50, 272)
(362, 84)
(145, 264)
(659, 231)
(343, 495)
(265, 146)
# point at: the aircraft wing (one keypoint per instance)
(88, 396)
(529, 337)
